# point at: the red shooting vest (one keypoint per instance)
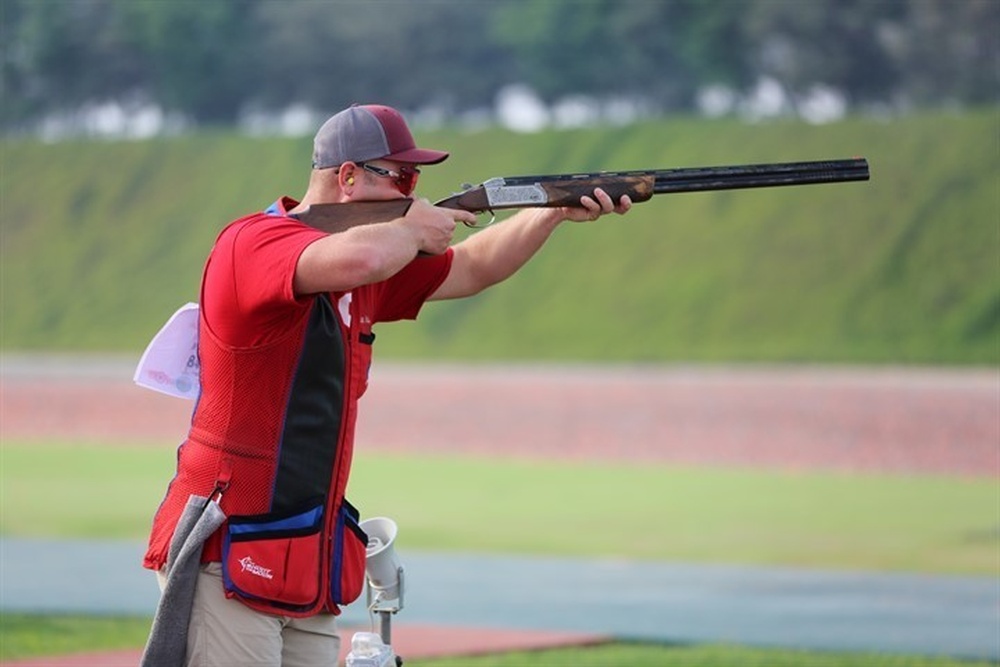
(274, 424)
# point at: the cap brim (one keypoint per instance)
(419, 156)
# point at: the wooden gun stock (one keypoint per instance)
(335, 218)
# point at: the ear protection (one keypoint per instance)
(350, 180)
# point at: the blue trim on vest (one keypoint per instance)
(302, 521)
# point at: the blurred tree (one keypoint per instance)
(405, 53)
(60, 55)
(948, 52)
(565, 47)
(712, 41)
(211, 60)
(203, 57)
(662, 50)
(830, 43)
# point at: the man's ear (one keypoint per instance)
(346, 174)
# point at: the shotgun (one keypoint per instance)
(566, 189)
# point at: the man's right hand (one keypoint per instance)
(433, 227)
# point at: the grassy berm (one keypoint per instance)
(101, 241)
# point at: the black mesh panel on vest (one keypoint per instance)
(312, 419)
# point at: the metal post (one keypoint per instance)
(385, 609)
(385, 627)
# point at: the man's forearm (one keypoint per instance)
(514, 242)
(497, 252)
(358, 256)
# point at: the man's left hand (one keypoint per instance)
(591, 208)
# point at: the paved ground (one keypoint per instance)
(890, 420)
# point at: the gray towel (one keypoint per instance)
(167, 643)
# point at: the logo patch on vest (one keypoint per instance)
(253, 568)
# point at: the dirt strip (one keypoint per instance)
(894, 420)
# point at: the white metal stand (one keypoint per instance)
(385, 608)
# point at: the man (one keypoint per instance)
(285, 342)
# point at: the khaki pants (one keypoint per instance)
(226, 633)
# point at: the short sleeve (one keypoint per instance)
(247, 290)
(401, 296)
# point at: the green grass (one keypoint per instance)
(90, 490)
(901, 269)
(30, 635)
(25, 636)
(651, 512)
(658, 512)
(653, 655)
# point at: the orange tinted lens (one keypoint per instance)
(407, 181)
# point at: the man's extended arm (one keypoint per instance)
(497, 252)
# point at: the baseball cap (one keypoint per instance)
(368, 132)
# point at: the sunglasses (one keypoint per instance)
(405, 179)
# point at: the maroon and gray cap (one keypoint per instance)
(368, 132)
